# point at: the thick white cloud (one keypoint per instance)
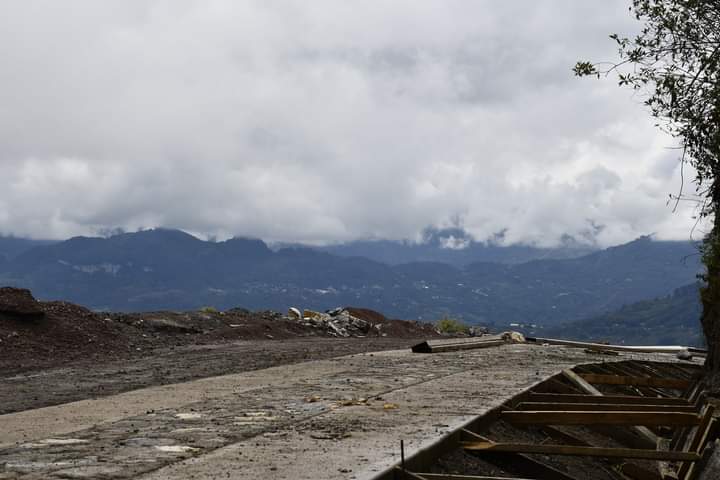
(325, 121)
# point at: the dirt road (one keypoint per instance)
(93, 378)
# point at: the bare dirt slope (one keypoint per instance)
(57, 352)
(36, 335)
(92, 379)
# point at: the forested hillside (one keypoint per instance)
(668, 320)
(169, 269)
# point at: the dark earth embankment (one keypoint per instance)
(58, 352)
(35, 335)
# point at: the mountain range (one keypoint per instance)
(170, 269)
(11, 247)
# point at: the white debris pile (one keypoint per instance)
(338, 322)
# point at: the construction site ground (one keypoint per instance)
(297, 409)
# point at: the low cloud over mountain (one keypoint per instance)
(324, 121)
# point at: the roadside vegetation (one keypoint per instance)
(451, 326)
(674, 63)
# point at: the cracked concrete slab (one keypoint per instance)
(329, 419)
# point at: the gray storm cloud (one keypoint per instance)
(325, 121)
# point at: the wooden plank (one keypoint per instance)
(629, 369)
(699, 439)
(633, 370)
(581, 383)
(467, 346)
(667, 471)
(679, 438)
(639, 436)
(636, 472)
(545, 417)
(677, 371)
(608, 399)
(436, 346)
(517, 463)
(407, 475)
(697, 392)
(632, 437)
(656, 371)
(563, 436)
(577, 451)
(606, 407)
(598, 379)
(694, 370)
(637, 369)
(644, 369)
(555, 385)
(698, 467)
(660, 392)
(600, 351)
(448, 476)
(681, 435)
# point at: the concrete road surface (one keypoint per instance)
(341, 418)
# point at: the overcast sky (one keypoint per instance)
(326, 120)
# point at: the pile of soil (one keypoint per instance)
(63, 332)
(19, 303)
(394, 328)
(46, 334)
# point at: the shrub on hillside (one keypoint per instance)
(451, 326)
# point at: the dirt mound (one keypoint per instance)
(19, 303)
(62, 332)
(366, 314)
(205, 326)
(357, 322)
(409, 329)
(394, 328)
